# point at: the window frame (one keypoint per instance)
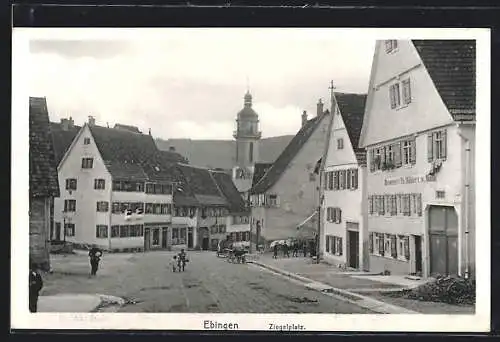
(101, 231)
(87, 163)
(71, 184)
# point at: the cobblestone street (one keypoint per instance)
(209, 284)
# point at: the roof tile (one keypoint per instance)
(452, 67)
(43, 179)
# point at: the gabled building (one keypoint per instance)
(116, 191)
(344, 233)
(43, 182)
(288, 192)
(419, 132)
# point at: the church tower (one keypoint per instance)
(247, 136)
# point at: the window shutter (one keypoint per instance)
(392, 96)
(372, 157)
(430, 145)
(413, 151)
(325, 180)
(370, 204)
(394, 248)
(419, 204)
(397, 154)
(382, 205)
(328, 243)
(370, 243)
(406, 91)
(340, 245)
(355, 178)
(381, 244)
(340, 215)
(443, 145)
(406, 246)
(348, 179)
(330, 180)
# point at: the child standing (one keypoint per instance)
(173, 263)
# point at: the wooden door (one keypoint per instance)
(443, 236)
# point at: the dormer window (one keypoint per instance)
(86, 141)
(391, 46)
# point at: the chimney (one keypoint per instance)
(304, 118)
(91, 121)
(66, 124)
(171, 148)
(319, 107)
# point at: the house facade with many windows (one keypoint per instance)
(344, 237)
(288, 192)
(116, 191)
(419, 133)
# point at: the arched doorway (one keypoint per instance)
(443, 240)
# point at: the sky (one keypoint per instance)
(191, 83)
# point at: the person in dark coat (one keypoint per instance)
(95, 256)
(295, 249)
(35, 285)
(286, 252)
(304, 248)
(275, 251)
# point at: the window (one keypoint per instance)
(115, 231)
(440, 194)
(69, 205)
(102, 206)
(340, 144)
(436, 146)
(273, 200)
(389, 155)
(87, 163)
(99, 184)
(391, 46)
(334, 245)
(71, 184)
(101, 231)
(86, 141)
(334, 214)
(407, 152)
(128, 186)
(70, 229)
(124, 231)
(330, 180)
(406, 91)
(342, 176)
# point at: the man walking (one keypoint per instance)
(95, 256)
(35, 285)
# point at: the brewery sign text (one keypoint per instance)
(409, 180)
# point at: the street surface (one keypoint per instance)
(209, 284)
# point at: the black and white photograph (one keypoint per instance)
(233, 175)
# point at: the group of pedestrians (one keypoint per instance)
(296, 247)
